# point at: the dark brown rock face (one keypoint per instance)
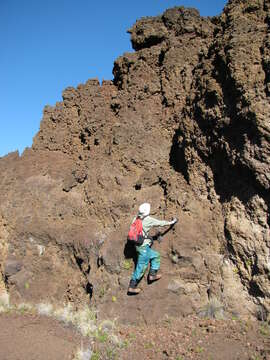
(185, 126)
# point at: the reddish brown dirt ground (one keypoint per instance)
(193, 338)
(30, 337)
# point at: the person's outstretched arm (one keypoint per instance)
(152, 222)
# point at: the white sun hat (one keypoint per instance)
(144, 209)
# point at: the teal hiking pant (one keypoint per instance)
(145, 255)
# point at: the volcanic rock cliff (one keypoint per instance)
(185, 126)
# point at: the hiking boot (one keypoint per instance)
(134, 291)
(154, 277)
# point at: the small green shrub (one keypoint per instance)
(110, 354)
(101, 336)
(199, 350)
(148, 345)
(125, 344)
(25, 308)
(265, 329)
(248, 263)
(132, 336)
(96, 356)
(101, 292)
(127, 264)
(255, 357)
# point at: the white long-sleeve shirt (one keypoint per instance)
(148, 223)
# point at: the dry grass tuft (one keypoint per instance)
(83, 354)
(212, 310)
(4, 302)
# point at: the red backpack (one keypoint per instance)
(135, 233)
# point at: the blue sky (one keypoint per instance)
(46, 46)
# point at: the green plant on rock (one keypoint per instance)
(96, 356)
(125, 344)
(101, 336)
(148, 345)
(199, 349)
(265, 329)
(248, 262)
(127, 264)
(22, 310)
(255, 357)
(110, 354)
(101, 292)
(168, 320)
(132, 336)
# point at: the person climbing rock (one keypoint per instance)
(144, 252)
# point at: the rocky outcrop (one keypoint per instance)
(184, 126)
(224, 138)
